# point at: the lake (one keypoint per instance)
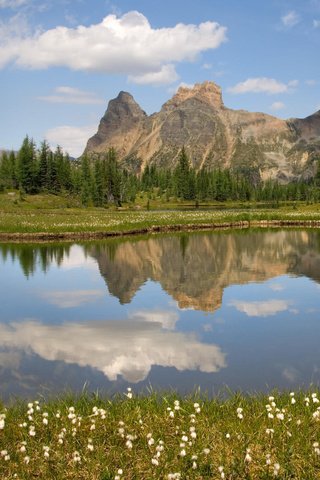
(237, 309)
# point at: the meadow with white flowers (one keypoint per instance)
(44, 216)
(130, 437)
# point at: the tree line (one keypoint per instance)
(103, 181)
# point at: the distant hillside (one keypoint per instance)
(213, 135)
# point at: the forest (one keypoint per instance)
(103, 181)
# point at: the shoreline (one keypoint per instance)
(98, 235)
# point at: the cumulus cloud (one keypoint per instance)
(127, 348)
(275, 106)
(166, 75)
(10, 360)
(166, 318)
(316, 23)
(77, 258)
(263, 85)
(72, 139)
(290, 19)
(72, 298)
(261, 309)
(72, 95)
(118, 45)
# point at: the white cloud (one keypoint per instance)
(293, 83)
(166, 75)
(275, 106)
(118, 45)
(166, 318)
(260, 309)
(77, 258)
(263, 85)
(174, 89)
(72, 298)
(12, 3)
(72, 95)
(290, 19)
(311, 82)
(72, 139)
(207, 66)
(276, 287)
(316, 23)
(127, 348)
(291, 374)
(10, 360)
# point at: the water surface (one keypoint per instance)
(237, 309)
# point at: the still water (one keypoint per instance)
(239, 309)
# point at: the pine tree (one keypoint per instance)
(85, 181)
(8, 174)
(44, 180)
(182, 174)
(27, 166)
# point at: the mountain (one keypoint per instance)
(213, 135)
(196, 269)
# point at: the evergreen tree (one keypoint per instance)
(44, 174)
(8, 170)
(182, 175)
(27, 166)
(86, 184)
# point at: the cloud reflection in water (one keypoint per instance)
(128, 347)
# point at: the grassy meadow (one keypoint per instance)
(128, 437)
(50, 214)
(162, 437)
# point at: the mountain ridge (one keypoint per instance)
(212, 134)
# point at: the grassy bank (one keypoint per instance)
(86, 438)
(48, 214)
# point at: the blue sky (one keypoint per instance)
(62, 61)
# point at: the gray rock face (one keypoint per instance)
(213, 135)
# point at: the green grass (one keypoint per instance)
(58, 214)
(155, 437)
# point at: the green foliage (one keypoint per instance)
(28, 166)
(231, 436)
(102, 181)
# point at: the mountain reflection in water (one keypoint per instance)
(195, 269)
(179, 311)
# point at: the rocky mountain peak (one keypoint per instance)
(212, 134)
(124, 105)
(208, 92)
(120, 121)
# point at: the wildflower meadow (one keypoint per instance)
(162, 437)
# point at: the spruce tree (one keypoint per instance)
(86, 184)
(44, 180)
(27, 166)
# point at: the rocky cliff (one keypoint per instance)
(213, 135)
(195, 269)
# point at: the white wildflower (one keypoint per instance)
(276, 468)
